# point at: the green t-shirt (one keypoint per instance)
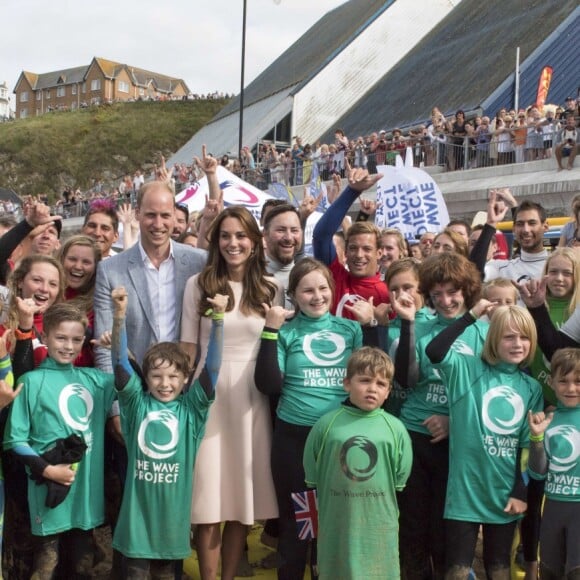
(540, 367)
(398, 394)
(429, 396)
(562, 445)
(57, 401)
(162, 441)
(488, 409)
(358, 460)
(312, 355)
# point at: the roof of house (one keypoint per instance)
(467, 57)
(311, 51)
(110, 69)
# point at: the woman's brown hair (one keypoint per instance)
(257, 288)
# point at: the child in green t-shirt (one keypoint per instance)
(56, 427)
(554, 454)
(162, 427)
(489, 397)
(358, 457)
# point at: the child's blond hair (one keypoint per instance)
(372, 361)
(504, 318)
(499, 283)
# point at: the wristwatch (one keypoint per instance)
(373, 322)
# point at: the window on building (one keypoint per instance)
(23, 113)
(141, 92)
(84, 89)
(123, 87)
(38, 95)
(73, 105)
(96, 85)
(24, 97)
(48, 94)
(74, 89)
(60, 91)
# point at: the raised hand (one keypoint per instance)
(208, 163)
(496, 208)
(360, 179)
(367, 206)
(219, 303)
(363, 310)
(105, 341)
(276, 315)
(126, 214)
(533, 292)
(37, 214)
(404, 305)
(27, 308)
(309, 204)
(538, 422)
(8, 394)
(120, 300)
(482, 307)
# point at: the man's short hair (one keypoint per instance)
(360, 228)
(183, 208)
(267, 207)
(528, 205)
(62, 312)
(277, 210)
(146, 187)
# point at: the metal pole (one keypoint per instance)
(517, 85)
(242, 82)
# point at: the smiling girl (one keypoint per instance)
(304, 362)
(489, 397)
(451, 285)
(79, 257)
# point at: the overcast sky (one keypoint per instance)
(196, 40)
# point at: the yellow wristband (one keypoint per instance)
(217, 316)
(269, 335)
(537, 438)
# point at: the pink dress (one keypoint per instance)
(232, 479)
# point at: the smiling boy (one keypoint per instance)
(162, 427)
(358, 457)
(59, 402)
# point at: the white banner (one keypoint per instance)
(236, 192)
(409, 200)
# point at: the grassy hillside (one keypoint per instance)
(44, 154)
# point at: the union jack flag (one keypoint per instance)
(306, 513)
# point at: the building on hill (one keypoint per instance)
(370, 65)
(102, 81)
(5, 112)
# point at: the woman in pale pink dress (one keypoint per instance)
(232, 478)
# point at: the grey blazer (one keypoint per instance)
(127, 269)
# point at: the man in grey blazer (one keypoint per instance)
(154, 272)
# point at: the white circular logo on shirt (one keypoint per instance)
(145, 439)
(561, 440)
(75, 404)
(311, 348)
(350, 299)
(503, 410)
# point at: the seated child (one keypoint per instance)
(60, 403)
(554, 453)
(358, 457)
(162, 428)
